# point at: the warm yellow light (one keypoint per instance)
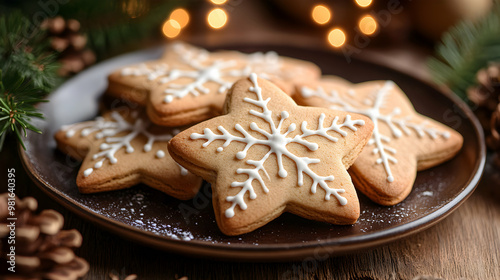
(181, 16)
(367, 25)
(363, 3)
(218, 2)
(321, 14)
(217, 18)
(171, 28)
(336, 37)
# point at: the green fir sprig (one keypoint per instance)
(17, 107)
(464, 50)
(27, 73)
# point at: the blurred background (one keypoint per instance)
(351, 26)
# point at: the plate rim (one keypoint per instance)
(270, 252)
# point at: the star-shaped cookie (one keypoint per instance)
(121, 149)
(267, 156)
(403, 141)
(189, 84)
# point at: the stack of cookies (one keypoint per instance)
(233, 120)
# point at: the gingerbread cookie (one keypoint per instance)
(189, 84)
(120, 150)
(403, 141)
(267, 156)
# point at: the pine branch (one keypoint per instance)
(27, 73)
(17, 107)
(465, 49)
(24, 50)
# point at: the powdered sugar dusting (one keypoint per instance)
(427, 193)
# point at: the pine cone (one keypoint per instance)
(65, 38)
(42, 250)
(493, 139)
(486, 97)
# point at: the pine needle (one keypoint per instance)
(464, 50)
(27, 74)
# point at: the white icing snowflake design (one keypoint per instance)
(203, 72)
(277, 141)
(151, 72)
(108, 129)
(399, 127)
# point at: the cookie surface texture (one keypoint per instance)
(267, 155)
(122, 149)
(189, 84)
(403, 141)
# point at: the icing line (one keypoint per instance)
(108, 129)
(399, 126)
(277, 141)
(265, 64)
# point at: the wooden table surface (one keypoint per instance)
(465, 245)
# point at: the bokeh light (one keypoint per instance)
(218, 2)
(363, 3)
(367, 25)
(321, 14)
(336, 37)
(171, 28)
(181, 16)
(217, 18)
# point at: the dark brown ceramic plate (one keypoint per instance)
(148, 216)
